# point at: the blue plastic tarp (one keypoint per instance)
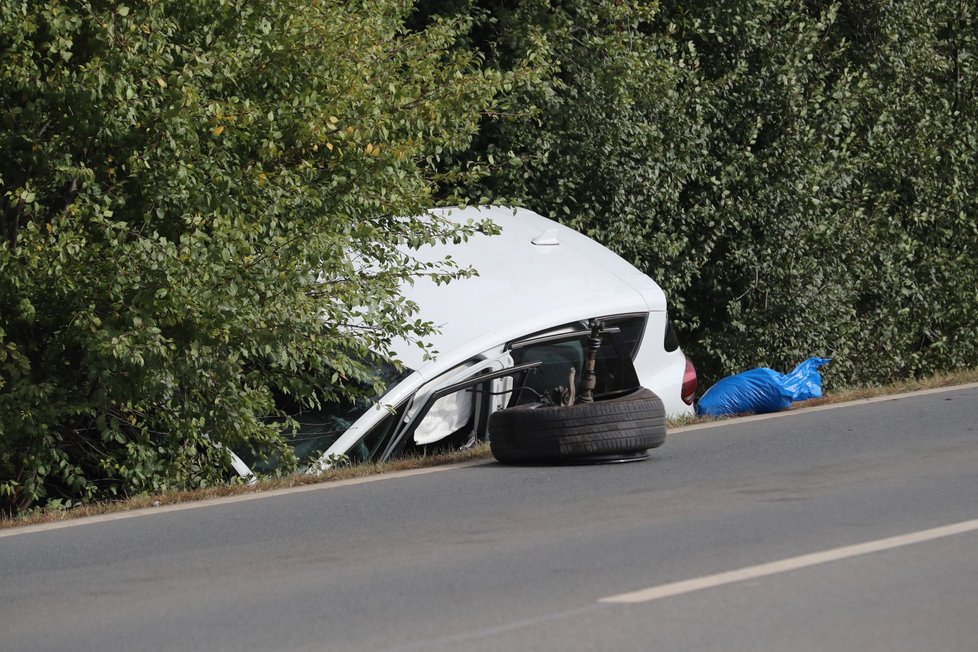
(762, 390)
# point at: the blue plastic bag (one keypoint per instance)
(762, 390)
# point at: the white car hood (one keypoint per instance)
(521, 288)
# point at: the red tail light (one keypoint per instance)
(689, 383)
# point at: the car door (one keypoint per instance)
(453, 410)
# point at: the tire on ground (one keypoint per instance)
(622, 426)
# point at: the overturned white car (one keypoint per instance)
(507, 337)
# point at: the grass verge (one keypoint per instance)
(34, 517)
(480, 451)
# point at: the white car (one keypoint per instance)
(539, 286)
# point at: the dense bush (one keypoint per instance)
(197, 199)
(197, 206)
(800, 177)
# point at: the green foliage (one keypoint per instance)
(799, 177)
(817, 248)
(198, 200)
(198, 207)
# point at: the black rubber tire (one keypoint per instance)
(598, 431)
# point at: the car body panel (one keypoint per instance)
(521, 287)
(535, 276)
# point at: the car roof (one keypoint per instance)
(521, 287)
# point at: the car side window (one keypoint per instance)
(557, 359)
(558, 356)
(449, 415)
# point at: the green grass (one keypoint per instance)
(478, 452)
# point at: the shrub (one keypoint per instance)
(198, 206)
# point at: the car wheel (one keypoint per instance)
(614, 429)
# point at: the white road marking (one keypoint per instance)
(790, 564)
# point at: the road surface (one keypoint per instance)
(836, 529)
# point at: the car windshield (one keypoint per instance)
(318, 429)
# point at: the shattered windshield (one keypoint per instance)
(319, 428)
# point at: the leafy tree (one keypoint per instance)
(773, 206)
(857, 185)
(918, 188)
(199, 208)
(799, 177)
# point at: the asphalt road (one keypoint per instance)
(745, 537)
